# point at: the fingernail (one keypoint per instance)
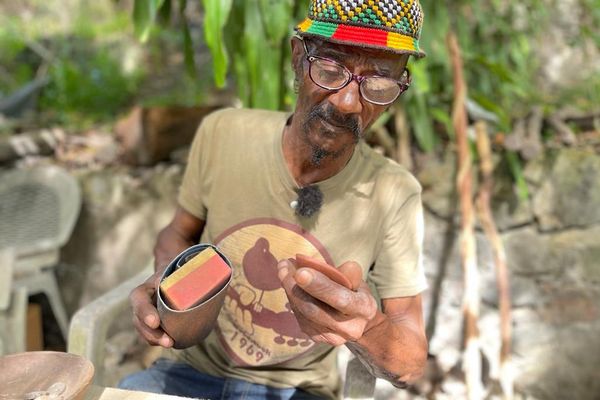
(149, 320)
(282, 273)
(304, 277)
(166, 341)
(283, 264)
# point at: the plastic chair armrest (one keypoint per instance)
(359, 383)
(89, 326)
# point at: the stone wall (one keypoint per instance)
(122, 212)
(553, 247)
(552, 242)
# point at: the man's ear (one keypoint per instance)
(404, 61)
(297, 55)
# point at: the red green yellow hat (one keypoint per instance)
(391, 25)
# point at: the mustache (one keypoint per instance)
(331, 115)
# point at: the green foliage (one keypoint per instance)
(516, 170)
(92, 89)
(14, 72)
(144, 16)
(11, 44)
(251, 33)
(429, 97)
(257, 36)
(85, 56)
(497, 39)
(217, 13)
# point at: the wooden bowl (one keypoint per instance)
(45, 375)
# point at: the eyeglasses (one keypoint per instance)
(331, 75)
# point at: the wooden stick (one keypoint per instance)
(502, 279)
(464, 181)
(385, 140)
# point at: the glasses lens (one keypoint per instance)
(328, 74)
(380, 90)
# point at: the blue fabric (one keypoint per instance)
(179, 379)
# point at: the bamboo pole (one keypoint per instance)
(464, 182)
(502, 278)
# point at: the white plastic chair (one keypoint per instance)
(13, 307)
(90, 325)
(38, 210)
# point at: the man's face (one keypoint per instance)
(334, 120)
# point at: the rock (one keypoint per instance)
(569, 305)
(453, 388)
(524, 292)
(570, 194)
(573, 253)
(438, 181)
(554, 289)
(529, 332)
(36, 143)
(537, 169)
(93, 149)
(508, 209)
(149, 135)
(557, 363)
(448, 322)
(439, 193)
(530, 254)
(120, 218)
(590, 261)
(556, 54)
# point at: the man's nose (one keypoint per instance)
(347, 100)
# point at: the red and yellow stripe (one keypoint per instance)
(358, 35)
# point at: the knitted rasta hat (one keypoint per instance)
(392, 25)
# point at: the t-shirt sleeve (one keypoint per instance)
(398, 269)
(193, 187)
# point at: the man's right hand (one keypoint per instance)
(183, 231)
(145, 314)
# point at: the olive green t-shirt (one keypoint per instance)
(238, 182)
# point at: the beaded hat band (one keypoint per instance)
(390, 25)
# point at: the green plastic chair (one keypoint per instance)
(38, 210)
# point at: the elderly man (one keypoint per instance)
(264, 186)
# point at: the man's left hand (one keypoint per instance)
(327, 311)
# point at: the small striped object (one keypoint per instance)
(195, 281)
(392, 25)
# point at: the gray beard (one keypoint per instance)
(350, 122)
(319, 154)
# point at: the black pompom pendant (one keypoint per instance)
(309, 202)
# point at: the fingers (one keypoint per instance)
(145, 315)
(154, 337)
(353, 272)
(300, 301)
(141, 299)
(324, 319)
(318, 333)
(326, 310)
(320, 287)
(358, 303)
